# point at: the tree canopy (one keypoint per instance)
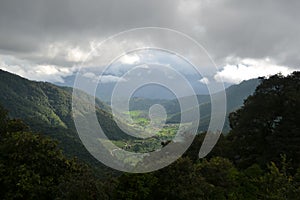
(33, 167)
(268, 124)
(258, 159)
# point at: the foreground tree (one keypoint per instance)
(33, 167)
(268, 124)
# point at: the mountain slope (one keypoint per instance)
(46, 108)
(235, 95)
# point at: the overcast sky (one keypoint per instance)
(47, 39)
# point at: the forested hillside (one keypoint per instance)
(257, 159)
(46, 108)
(235, 96)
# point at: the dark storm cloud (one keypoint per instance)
(227, 28)
(255, 29)
(27, 25)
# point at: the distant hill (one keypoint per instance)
(152, 92)
(235, 94)
(46, 108)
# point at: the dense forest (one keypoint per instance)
(258, 159)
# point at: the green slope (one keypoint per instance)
(235, 96)
(46, 108)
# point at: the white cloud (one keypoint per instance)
(76, 55)
(33, 71)
(271, 28)
(245, 69)
(67, 52)
(90, 75)
(104, 78)
(111, 79)
(204, 80)
(130, 59)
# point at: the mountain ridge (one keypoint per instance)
(235, 96)
(47, 109)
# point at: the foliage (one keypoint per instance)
(268, 123)
(33, 167)
(259, 159)
(46, 108)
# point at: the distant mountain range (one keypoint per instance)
(104, 91)
(46, 108)
(235, 95)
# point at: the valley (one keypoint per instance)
(261, 150)
(47, 108)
